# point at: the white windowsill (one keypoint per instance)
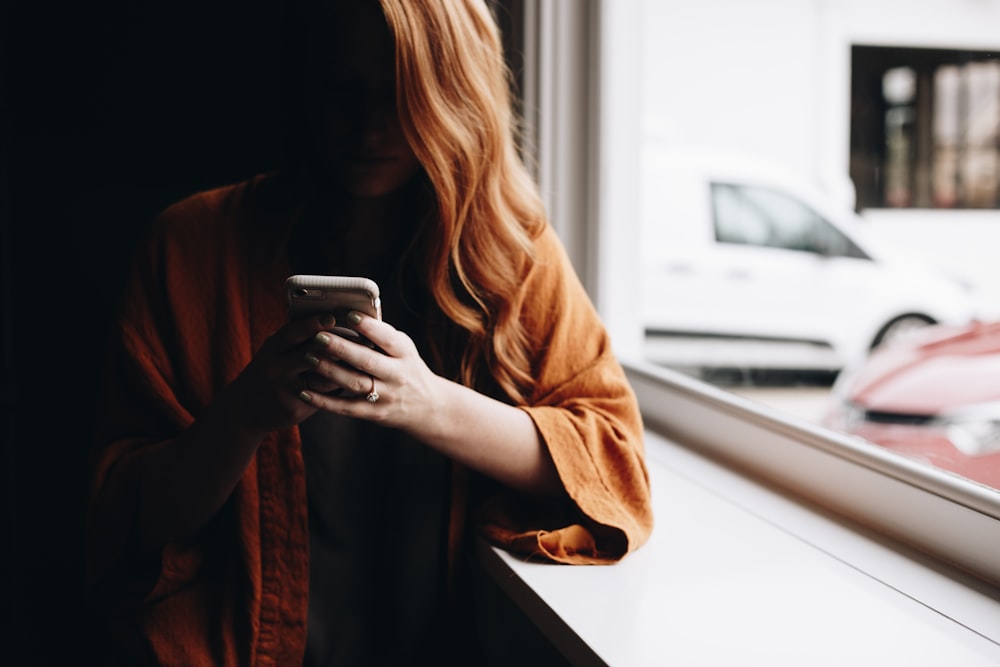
(737, 573)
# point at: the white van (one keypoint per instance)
(747, 265)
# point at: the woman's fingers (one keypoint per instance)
(274, 382)
(297, 332)
(392, 386)
(382, 334)
(331, 347)
(349, 365)
(344, 374)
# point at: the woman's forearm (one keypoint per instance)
(491, 437)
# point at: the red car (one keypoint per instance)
(934, 396)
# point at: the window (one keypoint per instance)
(925, 127)
(792, 288)
(762, 217)
(678, 74)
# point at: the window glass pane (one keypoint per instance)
(763, 217)
(929, 138)
(851, 169)
(736, 221)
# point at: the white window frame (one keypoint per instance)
(582, 61)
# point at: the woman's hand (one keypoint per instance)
(482, 433)
(264, 397)
(393, 387)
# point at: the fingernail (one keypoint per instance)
(305, 396)
(323, 338)
(328, 320)
(312, 359)
(354, 317)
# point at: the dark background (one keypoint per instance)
(110, 111)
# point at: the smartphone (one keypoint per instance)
(312, 295)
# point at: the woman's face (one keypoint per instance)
(350, 88)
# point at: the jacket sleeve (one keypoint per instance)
(588, 418)
(138, 407)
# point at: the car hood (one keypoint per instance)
(912, 261)
(943, 369)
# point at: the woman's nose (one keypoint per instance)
(374, 112)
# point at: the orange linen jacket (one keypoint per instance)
(204, 294)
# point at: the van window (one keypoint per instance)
(764, 217)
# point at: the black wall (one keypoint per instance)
(110, 111)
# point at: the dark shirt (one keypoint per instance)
(378, 516)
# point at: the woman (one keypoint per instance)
(249, 506)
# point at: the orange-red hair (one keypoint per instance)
(454, 103)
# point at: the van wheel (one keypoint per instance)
(901, 327)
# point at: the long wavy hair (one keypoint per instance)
(454, 102)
